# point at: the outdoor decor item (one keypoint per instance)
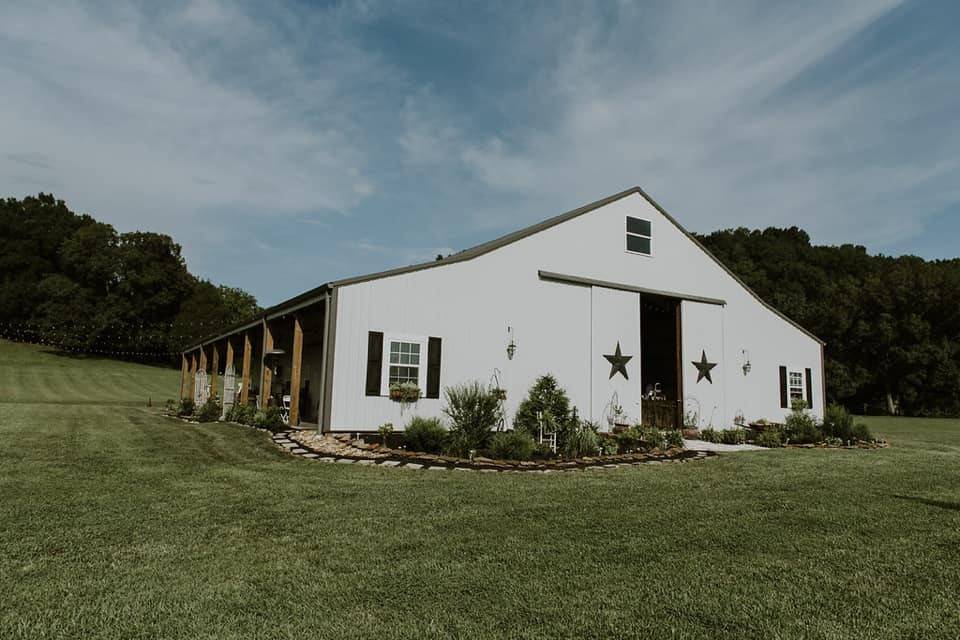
(618, 362)
(704, 367)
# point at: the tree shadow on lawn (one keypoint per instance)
(942, 504)
(77, 355)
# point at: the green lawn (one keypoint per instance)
(117, 522)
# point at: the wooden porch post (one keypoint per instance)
(266, 373)
(193, 375)
(295, 371)
(229, 363)
(214, 368)
(184, 371)
(245, 372)
(678, 317)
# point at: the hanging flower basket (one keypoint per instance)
(404, 392)
(499, 393)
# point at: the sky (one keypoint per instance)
(284, 145)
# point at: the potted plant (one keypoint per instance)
(499, 392)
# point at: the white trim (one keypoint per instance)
(790, 386)
(385, 364)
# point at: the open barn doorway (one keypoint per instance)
(660, 368)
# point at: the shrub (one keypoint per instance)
(187, 407)
(512, 445)
(542, 450)
(838, 423)
(426, 434)
(241, 414)
(733, 436)
(474, 411)
(547, 397)
(673, 438)
(581, 440)
(209, 411)
(628, 440)
(606, 443)
(269, 419)
(800, 427)
(710, 435)
(385, 430)
(652, 438)
(770, 438)
(861, 432)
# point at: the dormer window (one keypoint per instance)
(638, 236)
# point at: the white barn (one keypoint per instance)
(615, 299)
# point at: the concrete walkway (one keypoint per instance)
(700, 445)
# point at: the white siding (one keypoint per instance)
(470, 304)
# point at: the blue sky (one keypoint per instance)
(284, 146)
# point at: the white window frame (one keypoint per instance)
(638, 235)
(421, 367)
(790, 386)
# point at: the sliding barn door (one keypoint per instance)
(615, 356)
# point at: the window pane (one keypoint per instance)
(414, 358)
(638, 244)
(638, 226)
(394, 358)
(414, 347)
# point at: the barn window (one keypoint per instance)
(638, 236)
(404, 362)
(796, 386)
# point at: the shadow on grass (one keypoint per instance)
(941, 504)
(75, 355)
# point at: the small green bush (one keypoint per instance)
(628, 441)
(800, 427)
(838, 423)
(512, 445)
(607, 443)
(241, 414)
(673, 438)
(426, 434)
(861, 432)
(474, 411)
(652, 438)
(209, 411)
(581, 441)
(186, 408)
(733, 436)
(545, 396)
(710, 435)
(769, 438)
(385, 430)
(269, 419)
(542, 450)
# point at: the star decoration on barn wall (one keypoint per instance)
(703, 367)
(618, 362)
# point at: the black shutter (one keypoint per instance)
(784, 396)
(374, 362)
(433, 368)
(809, 388)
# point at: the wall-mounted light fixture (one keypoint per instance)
(746, 362)
(511, 344)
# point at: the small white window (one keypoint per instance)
(795, 386)
(639, 235)
(403, 361)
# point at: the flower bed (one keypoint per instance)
(343, 446)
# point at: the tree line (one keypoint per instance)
(73, 282)
(892, 325)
